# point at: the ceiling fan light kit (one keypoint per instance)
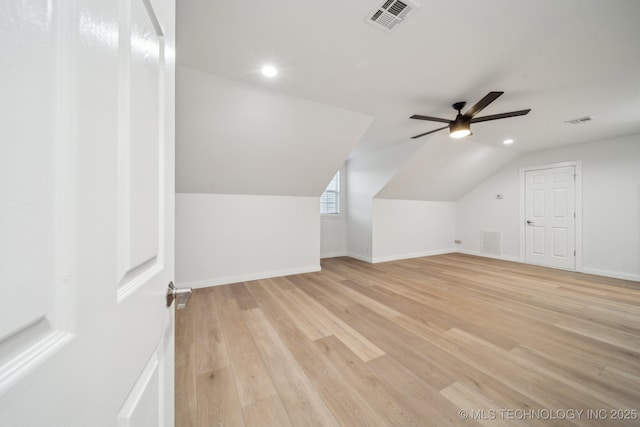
(461, 125)
(459, 128)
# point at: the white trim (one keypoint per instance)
(248, 277)
(585, 270)
(613, 274)
(577, 164)
(365, 258)
(480, 254)
(312, 269)
(333, 254)
(412, 255)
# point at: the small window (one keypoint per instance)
(330, 199)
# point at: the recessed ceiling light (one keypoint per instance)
(269, 71)
(507, 141)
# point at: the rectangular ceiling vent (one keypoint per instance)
(391, 13)
(579, 120)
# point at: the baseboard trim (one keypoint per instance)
(585, 270)
(612, 274)
(218, 281)
(315, 268)
(412, 255)
(365, 258)
(478, 253)
(333, 254)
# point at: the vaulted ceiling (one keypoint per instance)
(563, 59)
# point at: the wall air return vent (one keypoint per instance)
(390, 14)
(491, 243)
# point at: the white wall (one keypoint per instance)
(251, 165)
(230, 238)
(366, 175)
(611, 205)
(333, 236)
(412, 228)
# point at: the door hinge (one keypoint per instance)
(574, 253)
(574, 214)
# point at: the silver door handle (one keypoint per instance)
(529, 222)
(182, 296)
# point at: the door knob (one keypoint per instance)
(181, 296)
(529, 222)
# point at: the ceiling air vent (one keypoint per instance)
(579, 120)
(390, 14)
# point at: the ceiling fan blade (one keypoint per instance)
(427, 133)
(480, 105)
(500, 116)
(432, 119)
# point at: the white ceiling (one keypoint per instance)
(563, 59)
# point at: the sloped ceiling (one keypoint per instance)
(236, 139)
(563, 59)
(467, 162)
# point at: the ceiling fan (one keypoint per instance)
(461, 125)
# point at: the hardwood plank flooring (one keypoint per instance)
(253, 382)
(445, 340)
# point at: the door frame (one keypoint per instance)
(577, 164)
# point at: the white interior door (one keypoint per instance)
(86, 208)
(550, 215)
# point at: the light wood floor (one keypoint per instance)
(412, 343)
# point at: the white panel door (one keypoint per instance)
(86, 209)
(550, 217)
